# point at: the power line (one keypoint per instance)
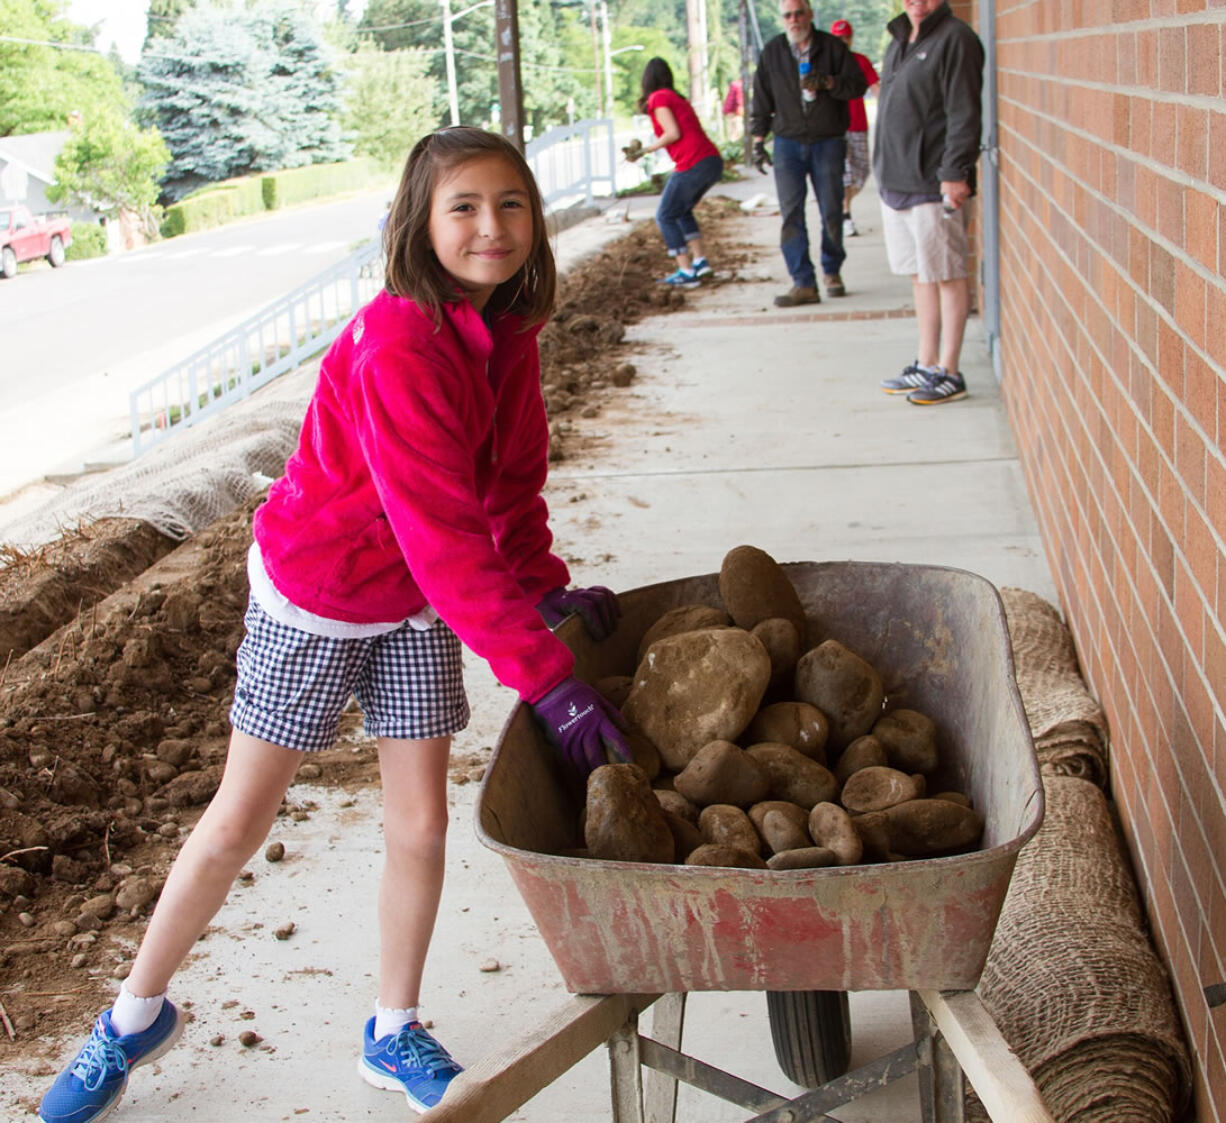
(45, 43)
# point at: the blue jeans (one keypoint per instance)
(675, 214)
(822, 164)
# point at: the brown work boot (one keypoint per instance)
(798, 294)
(834, 285)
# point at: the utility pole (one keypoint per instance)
(453, 96)
(596, 53)
(510, 86)
(696, 36)
(742, 26)
(607, 50)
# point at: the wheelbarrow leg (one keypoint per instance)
(941, 1086)
(1006, 1089)
(626, 1072)
(667, 1018)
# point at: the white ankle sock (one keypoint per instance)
(133, 1014)
(392, 1021)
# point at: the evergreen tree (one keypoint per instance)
(235, 92)
(203, 93)
(302, 88)
(162, 18)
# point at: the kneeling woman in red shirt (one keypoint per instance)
(697, 167)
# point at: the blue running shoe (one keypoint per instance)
(410, 1061)
(680, 280)
(90, 1087)
(702, 268)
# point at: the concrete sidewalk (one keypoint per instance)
(746, 424)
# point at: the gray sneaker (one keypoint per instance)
(798, 294)
(939, 387)
(911, 378)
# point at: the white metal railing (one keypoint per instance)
(272, 342)
(571, 162)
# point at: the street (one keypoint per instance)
(89, 316)
(76, 340)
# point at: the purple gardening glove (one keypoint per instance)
(581, 724)
(597, 606)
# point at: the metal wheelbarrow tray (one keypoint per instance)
(939, 640)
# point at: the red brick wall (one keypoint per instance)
(1112, 132)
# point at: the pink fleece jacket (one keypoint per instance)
(417, 480)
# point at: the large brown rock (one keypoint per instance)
(624, 820)
(754, 588)
(846, 688)
(683, 618)
(697, 687)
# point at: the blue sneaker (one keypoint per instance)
(680, 279)
(91, 1086)
(702, 268)
(410, 1061)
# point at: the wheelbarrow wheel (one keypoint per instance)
(811, 1030)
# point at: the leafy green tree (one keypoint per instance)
(235, 92)
(111, 166)
(389, 103)
(40, 86)
(628, 67)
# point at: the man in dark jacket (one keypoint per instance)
(924, 157)
(804, 80)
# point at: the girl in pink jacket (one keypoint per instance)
(409, 520)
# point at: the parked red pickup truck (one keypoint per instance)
(23, 237)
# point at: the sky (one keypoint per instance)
(122, 23)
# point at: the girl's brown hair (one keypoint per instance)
(414, 272)
(657, 75)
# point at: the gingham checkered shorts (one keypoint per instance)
(292, 685)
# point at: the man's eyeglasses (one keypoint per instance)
(799, 14)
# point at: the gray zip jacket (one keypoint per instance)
(929, 117)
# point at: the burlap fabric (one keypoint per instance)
(1072, 980)
(1068, 726)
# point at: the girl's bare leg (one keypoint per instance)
(414, 835)
(232, 827)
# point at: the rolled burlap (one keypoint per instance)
(1067, 724)
(1072, 980)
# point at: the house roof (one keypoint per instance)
(35, 152)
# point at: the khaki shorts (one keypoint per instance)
(925, 243)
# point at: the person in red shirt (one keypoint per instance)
(734, 110)
(697, 167)
(857, 167)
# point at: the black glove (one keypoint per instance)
(761, 158)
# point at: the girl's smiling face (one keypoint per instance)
(481, 225)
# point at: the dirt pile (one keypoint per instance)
(113, 726)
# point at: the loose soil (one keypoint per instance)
(116, 688)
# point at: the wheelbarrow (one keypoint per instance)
(634, 933)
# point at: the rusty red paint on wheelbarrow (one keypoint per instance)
(939, 640)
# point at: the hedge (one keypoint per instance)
(88, 240)
(221, 202)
